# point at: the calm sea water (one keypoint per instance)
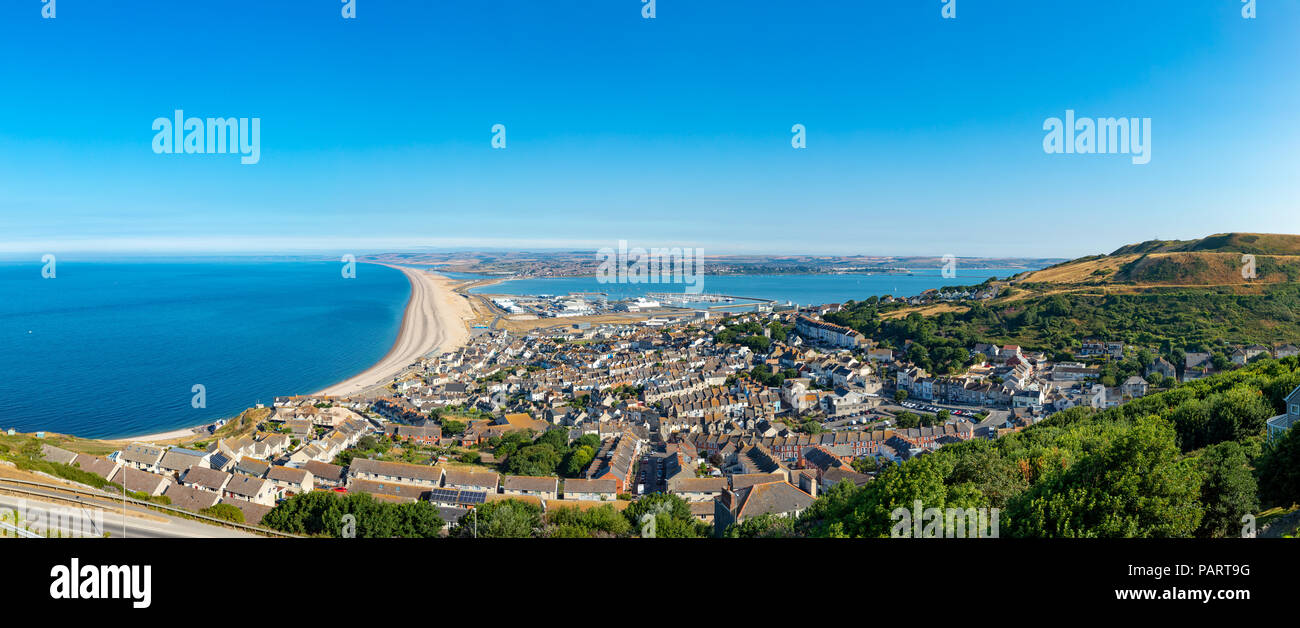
(113, 349)
(801, 289)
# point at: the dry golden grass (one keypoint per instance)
(1079, 272)
(926, 310)
(1184, 270)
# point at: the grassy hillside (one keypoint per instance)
(1254, 243)
(1216, 260)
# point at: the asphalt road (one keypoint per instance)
(74, 520)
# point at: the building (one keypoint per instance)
(589, 490)
(142, 456)
(249, 489)
(102, 467)
(141, 481)
(1134, 387)
(694, 489)
(289, 481)
(326, 475)
(1110, 348)
(422, 434)
(769, 498)
(395, 472)
(205, 479)
(177, 460)
(190, 498)
(543, 487)
(466, 480)
(828, 333)
(1278, 425)
(1163, 367)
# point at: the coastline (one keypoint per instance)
(434, 319)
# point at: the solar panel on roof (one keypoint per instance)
(445, 495)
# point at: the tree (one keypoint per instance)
(601, 521)
(1138, 485)
(672, 515)
(848, 511)
(1229, 490)
(452, 427)
(900, 395)
(577, 460)
(865, 464)
(508, 518)
(766, 526)
(533, 460)
(321, 513)
(1279, 470)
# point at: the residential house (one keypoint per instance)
(206, 479)
(191, 498)
(396, 472)
(466, 480)
(543, 487)
(249, 488)
(289, 481)
(588, 490)
(141, 481)
(1134, 387)
(694, 489)
(177, 460)
(142, 456)
(326, 475)
(102, 467)
(769, 498)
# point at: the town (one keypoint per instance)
(739, 415)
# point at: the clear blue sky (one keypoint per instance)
(924, 134)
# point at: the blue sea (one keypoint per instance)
(112, 349)
(799, 289)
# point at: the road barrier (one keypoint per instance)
(132, 500)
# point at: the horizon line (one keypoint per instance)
(276, 246)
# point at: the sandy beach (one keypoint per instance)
(435, 319)
(183, 433)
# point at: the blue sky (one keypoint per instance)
(924, 135)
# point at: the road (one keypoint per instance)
(650, 468)
(75, 520)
